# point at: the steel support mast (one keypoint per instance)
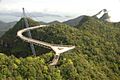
(29, 32)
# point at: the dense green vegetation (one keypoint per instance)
(11, 44)
(96, 56)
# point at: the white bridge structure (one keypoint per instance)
(103, 14)
(58, 49)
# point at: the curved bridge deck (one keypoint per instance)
(58, 49)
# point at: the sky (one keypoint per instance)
(72, 8)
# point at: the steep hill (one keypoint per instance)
(1, 33)
(96, 56)
(2, 24)
(74, 22)
(5, 27)
(10, 43)
(54, 22)
(103, 13)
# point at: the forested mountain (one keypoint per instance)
(5, 27)
(96, 56)
(2, 23)
(74, 22)
(11, 44)
(54, 22)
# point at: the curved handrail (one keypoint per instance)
(58, 49)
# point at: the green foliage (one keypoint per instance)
(96, 56)
(10, 41)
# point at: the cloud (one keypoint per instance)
(32, 14)
(63, 7)
(15, 16)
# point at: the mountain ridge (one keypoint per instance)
(5, 26)
(95, 57)
(77, 20)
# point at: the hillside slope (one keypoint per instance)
(5, 27)
(11, 44)
(75, 21)
(96, 56)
